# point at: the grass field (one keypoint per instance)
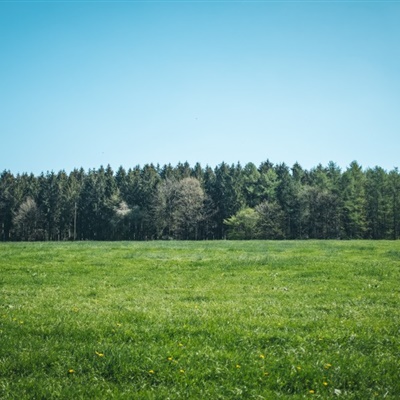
(200, 320)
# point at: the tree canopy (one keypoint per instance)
(195, 203)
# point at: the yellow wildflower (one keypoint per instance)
(71, 371)
(237, 366)
(262, 356)
(182, 371)
(311, 391)
(325, 383)
(151, 371)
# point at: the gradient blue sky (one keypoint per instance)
(84, 84)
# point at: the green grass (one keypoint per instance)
(200, 320)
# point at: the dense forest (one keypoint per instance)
(196, 203)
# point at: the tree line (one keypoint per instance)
(195, 203)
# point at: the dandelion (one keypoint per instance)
(71, 371)
(311, 391)
(262, 356)
(169, 358)
(325, 383)
(151, 371)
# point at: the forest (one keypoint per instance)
(195, 203)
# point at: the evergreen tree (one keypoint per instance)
(377, 203)
(353, 197)
(323, 217)
(7, 204)
(197, 172)
(268, 184)
(49, 203)
(252, 187)
(195, 203)
(167, 172)
(226, 194)
(291, 200)
(394, 203)
(148, 182)
(210, 223)
(270, 221)
(98, 199)
(182, 171)
(130, 191)
(70, 199)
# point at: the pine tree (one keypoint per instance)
(353, 197)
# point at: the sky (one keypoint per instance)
(91, 83)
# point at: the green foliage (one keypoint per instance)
(270, 220)
(377, 203)
(353, 188)
(242, 225)
(196, 320)
(394, 202)
(192, 203)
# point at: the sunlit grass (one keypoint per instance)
(199, 320)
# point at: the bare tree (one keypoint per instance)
(190, 208)
(26, 221)
(178, 208)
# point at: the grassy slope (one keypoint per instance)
(213, 320)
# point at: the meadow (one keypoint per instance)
(200, 320)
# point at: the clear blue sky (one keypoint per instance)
(84, 84)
